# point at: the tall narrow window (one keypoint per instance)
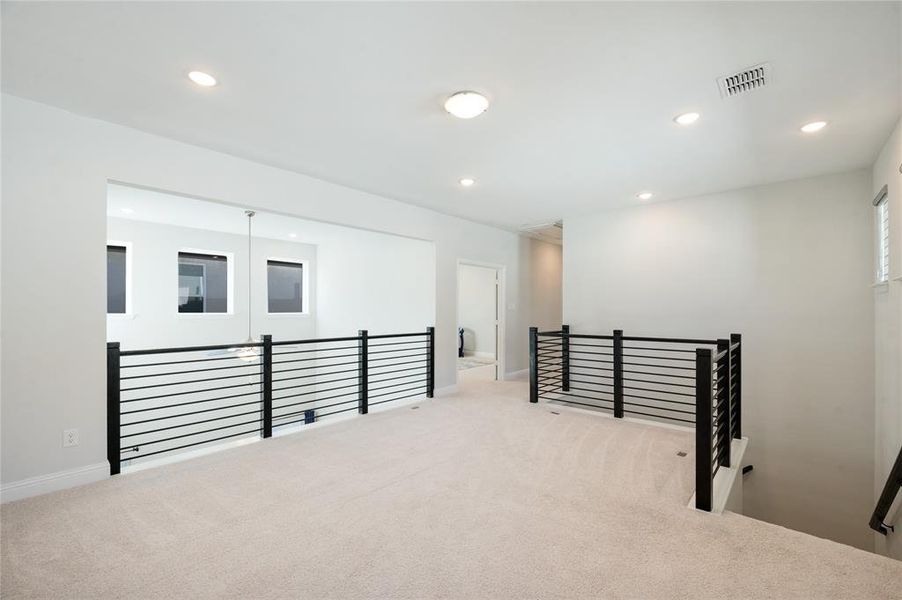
(115, 279)
(203, 283)
(285, 286)
(882, 205)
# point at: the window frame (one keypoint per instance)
(128, 314)
(305, 285)
(881, 243)
(230, 284)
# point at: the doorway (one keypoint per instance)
(479, 323)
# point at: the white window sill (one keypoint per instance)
(226, 315)
(287, 315)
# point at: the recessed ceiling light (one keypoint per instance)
(686, 118)
(201, 78)
(644, 195)
(292, 235)
(126, 211)
(467, 181)
(466, 105)
(813, 127)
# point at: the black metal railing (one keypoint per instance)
(166, 400)
(689, 382)
(887, 497)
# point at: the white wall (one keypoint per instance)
(56, 167)
(155, 321)
(789, 267)
(888, 328)
(476, 309)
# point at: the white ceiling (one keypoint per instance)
(582, 94)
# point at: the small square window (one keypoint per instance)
(285, 286)
(203, 283)
(116, 282)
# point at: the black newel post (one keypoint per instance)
(724, 438)
(565, 358)
(430, 372)
(267, 386)
(533, 364)
(703, 430)
(618, 373)
(112, 406)
(736, 388)
(363, 394)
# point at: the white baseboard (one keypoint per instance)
(44, 484)
(448, 390)
(521, 375)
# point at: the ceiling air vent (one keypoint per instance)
(744, 81)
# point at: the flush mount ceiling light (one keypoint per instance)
(466, 105)
(686, 118)
(644, 195)
(467, 181)
(202, 79)
(126, 211)
(292, 235)
(813, 127)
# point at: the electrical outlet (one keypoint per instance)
(70, 438)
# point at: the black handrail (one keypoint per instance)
(890, 489)
(600, 372)
(156, 404)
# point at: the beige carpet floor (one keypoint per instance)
(481, 495)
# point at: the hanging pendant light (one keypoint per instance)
(248, 353)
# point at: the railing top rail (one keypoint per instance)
(397, 335)
(632, 338)
(591, 337)
(550, 333)
(148, 351)
(173, 350)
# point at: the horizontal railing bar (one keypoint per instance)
(691, 360)
(223, 387)
(584, 374)
(550, 333)
(183, 362)
(659, 349)
(576, 344)
(253, 364)
(394, 378)
(409, 362)
(568, 394)
(676, 410)
(586, 336)
(683, 385)
(316, 391)
(386, 336)
(153, 351)
(399, 398)
(633, 338)
(659, 400)
(658, 374)
(300, 412)
(188, 414)
(189, 381)
(225, 437)
(595, 353)
(311, 358)
(342, 395)
(258, 412)
(591, 382)
(184, 435)
(394, 385)
(372, 360)
(637, 412)
(353, 362)
(632, 364)
(394, 343)
(632, 387)
(355, 338)
(398, 350)
(582, 403)
(394, 392)
(582, 389)
(318, 375)
(332, 349)
(140, 410)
